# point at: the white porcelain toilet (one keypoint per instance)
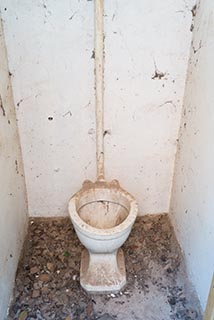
(102, 215)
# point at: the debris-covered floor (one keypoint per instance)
(47, 281)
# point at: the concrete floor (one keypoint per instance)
(47, 282)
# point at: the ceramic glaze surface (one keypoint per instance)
(103, 208)
(102, 214)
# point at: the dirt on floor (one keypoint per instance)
(47, 281)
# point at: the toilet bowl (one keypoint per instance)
(102, 214)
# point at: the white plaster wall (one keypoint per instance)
(50, 45)
(192, 203)
(13, 212)
(142, 113)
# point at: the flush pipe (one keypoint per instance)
(99, 87)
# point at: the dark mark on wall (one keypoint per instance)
(67, 113)
(2, 107)
(158, 74)
(196, 61)
(86, 167)
(167, 102)
(50, 118)
(88, 104)
(8, 121)
(196, 50)
(71, 17)
(91, 131)
(10, 74)
(47, 13)
(18, 103)
(93, 55)
(17, 166)
(194, 10)
(106, 132)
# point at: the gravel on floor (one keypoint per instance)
(47, 281)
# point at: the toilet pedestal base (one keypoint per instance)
(102, 273)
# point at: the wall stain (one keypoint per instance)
(106, 132)
(71, 17)
(158, 74)
(67, 113)
(18, 103)
(86, 167)
(17, 166)
(88, 104)
(193, 11)
(167, 102)
(2, 107)
(91, 131)
(93, 55)
(199, 47)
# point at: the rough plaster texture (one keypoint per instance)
(147, 48)
(13, 215)
(50, 46)
(53, 91)
(192, 203)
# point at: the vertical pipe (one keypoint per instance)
(99, 87)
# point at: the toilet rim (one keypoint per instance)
(88, 229)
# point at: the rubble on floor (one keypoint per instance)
(47, 281)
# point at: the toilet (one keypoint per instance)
(102, 214)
